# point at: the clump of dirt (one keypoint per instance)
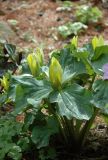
(38, 21)
(95, 147)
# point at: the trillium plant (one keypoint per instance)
(61, 99)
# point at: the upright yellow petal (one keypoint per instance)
(39, 56)
(74, 41)
(31, 59)
(5, 83)
(55, 73)
(101, 41)
(95, 42)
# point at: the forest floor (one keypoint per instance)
(36, 23)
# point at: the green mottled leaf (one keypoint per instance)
(29, 91)
(41, 134)
(71, 28)
(11, 49)
(84, 56)
(73, 101)
(98, 64)
(99, 51)
(15, 153)
(70, 65)
(100, 97)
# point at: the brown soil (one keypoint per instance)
(39, 19)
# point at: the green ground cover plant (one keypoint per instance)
(88, 14)
(59, 99)
(70, 28)
(84, 15)
(9, 58)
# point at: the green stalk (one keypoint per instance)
(87, 127)
(62, 125)
(62, 128)
(71, 126)
(78, 125)
(77, 129)
(70, 129)
(93, 78)
(74, 133)
(89, 123)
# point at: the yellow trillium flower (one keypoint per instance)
(5, 83)
(39, 56)
(74, 41)
(55, 73)
(96, 42)
(35, 61)
(33, 65)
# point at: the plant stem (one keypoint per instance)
(70, 129)
(89, 123)
(62, 128)
(87, 127)
(77, 129)
(61, 122)
(93, 78)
